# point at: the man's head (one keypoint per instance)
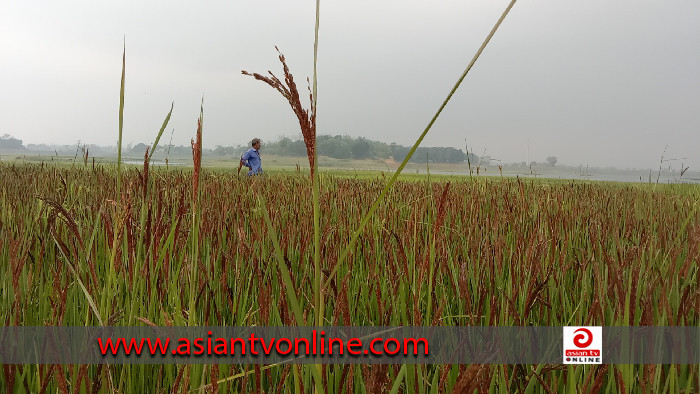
(255, 143)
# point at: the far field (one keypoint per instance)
(277, 163)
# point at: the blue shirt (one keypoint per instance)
(251, 159)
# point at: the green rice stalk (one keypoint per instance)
(89, 299)
(196, 211)
(107, 291)
(121, 120)
(289, 286)
(160, 132)
(318, 274)
(141, 258)
(397, 382)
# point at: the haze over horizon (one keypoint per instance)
(597, 82)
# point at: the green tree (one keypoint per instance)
(9, 142)
(139, 148)
(219, 150)
(360, 148)
(343, 151)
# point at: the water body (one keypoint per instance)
(627, 176)
(631, 176)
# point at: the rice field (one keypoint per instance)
(436, 252)
(105, 245)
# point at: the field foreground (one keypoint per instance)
(505, 252)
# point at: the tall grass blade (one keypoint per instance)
(289, 286)
(107, 291)
(160, 132)
(121, 120)
(318, 274)
(194, 258)
(375, 205)
(397, 383)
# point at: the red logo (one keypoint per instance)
(583, 345)
(584, 339)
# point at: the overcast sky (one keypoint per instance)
(599, 82)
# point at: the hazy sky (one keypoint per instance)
(599, 82)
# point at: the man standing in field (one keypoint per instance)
(251, 159)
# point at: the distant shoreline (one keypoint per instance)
(276, 163)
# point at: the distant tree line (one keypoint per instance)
(334, 146)
(337, 147)
(346, 147)
(432, 155)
